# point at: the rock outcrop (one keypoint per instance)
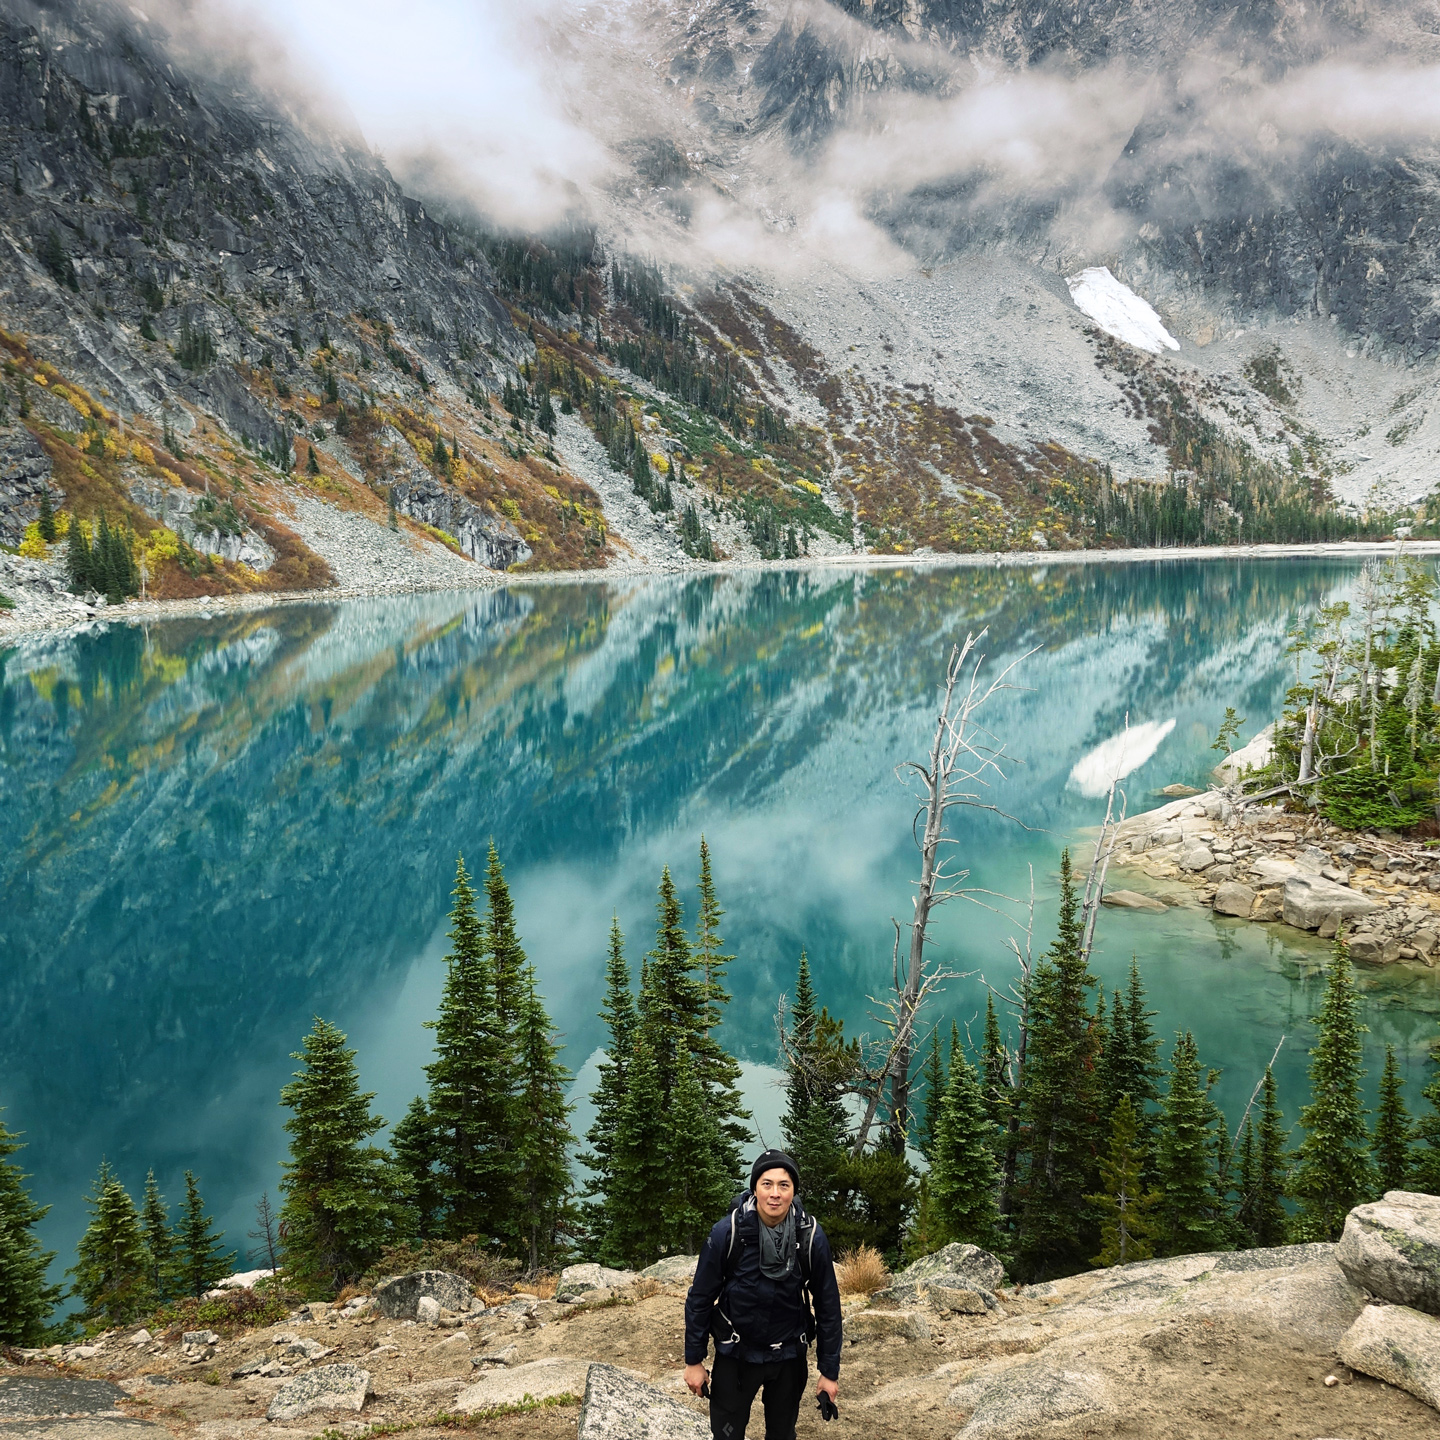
(398, 1298)
(1392, 1249)
(580, 1279)
(329, 1387)
(25, 471)
(1399, 1346)
(539, 1380)
(619, 1407)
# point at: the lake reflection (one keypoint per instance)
(214, 830)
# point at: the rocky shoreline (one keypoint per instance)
(47, 606)
(1261, 864)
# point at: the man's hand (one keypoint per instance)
(696, 1376)
(830, 1387)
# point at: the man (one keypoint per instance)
(758, 1272)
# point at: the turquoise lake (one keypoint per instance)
(216, 829)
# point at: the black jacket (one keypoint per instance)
(770, 1317)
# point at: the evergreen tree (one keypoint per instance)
(542, 1155)
(201, 1260)
(641, 1166)
(1272, 1170)
(1425, 1157)
(46, 521)
(963, 1177)
(1246, 1188)
(934, 1075)
(342, 1202)
(471, 1089)
(312, 463)
(696, 1180)
(1130, 1066)
(26, 1301)
(1333, 1169)
(716, 1070)
(994, 1070)
(1393, 1128)
(441, 455)
(109, 1269)
(502, 941)
(78, 560)
(608, 1097)
(1188, 1219)
(1058, 1102)
(160, 1266)
(1127, 1225)
(640, 468)
(412, 1143)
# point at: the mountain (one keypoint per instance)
(823, 298)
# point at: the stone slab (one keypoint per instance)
(1399, 1346)
(1233, 898)
(35, 1395)
(673, 1270)
(1019, 1400)
(327, 1387)
(398, 1297)
(1392, 1249)
(539, 1380)
(886, 1325)
(578, 1279)
(1132, 900)
(619, 1407)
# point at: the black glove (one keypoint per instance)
(705, 1390)
(829, 1410)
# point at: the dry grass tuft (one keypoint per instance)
(542, 1285)
(861, 1272)
(350, 1292)
(647, 1286)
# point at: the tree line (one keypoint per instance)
(1058, 1141)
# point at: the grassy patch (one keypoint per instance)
(446, 1421)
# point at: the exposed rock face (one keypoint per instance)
(330, 1387)
(1399, 1346)
(1392, 1249)
(1309, 899)
(1027, 1395)
(24, 471)
(485, 538)
(672, 1270)
(193, 517)
(540, 1380)
(887, 1325)
(620, 1407)
(966, 1262)
(399, 1297)
(1233, 898)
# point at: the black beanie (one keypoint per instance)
(774, 1160)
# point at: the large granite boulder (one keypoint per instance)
(1309, 899)
(578, 1279)
(672, 1270)
(1022, 1398)
(1392, 1249)
(619, 1407)
(1233, 898)
(1397, 1345)
(886, 1325)
(546, 1379)
(328, 1387)
(398, 1298)
(968, 1263)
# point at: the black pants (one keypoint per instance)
(734, 1384)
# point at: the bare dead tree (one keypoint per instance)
(265, 1216)
(963, 759)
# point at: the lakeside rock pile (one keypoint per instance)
(1262, 864)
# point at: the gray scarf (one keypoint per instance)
(777, 1247)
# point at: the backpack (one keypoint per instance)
(805, 1240)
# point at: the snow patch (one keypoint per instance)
(1119, 311)
(1115, 758)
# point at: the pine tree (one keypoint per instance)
(1059, 1102)
(1272, 1170)
(1188, 1220)
(78, 560)
(26, 1301)
(441, 455)
(1127, 1224)
(312, 464)
(160, 1267)
(963, 1177)
(608, 1097)
(342, 1197)
(1247, 1188)
(934, 1075)
(1425, 1157)
(46, 521)
(716, 1070)
(412, 1143)
(471, 1087)
(688, 1204)
(202, 1261)
(641, 1166)
(542, 1155)
(994, 1070)
(1129, 1065)
(109, 1269)
(1333, 1169)
(1393, 1128)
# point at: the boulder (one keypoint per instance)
(969, 1263)
(887, 1325)
(398, 1297)
(540, 1380)
(1397, 1345)
(1131, 900)
(328, 1387)
(1233, 898)
(1366, 948)
(427, 1310)
(577, 1279)
(200, 1337)
(1270, 871)
(1392, 1249)
(619, 1407)
(1269, 906)
(673, 1270)
(1018, 1400)
(955, 1299)
(1309, 899)
(1196, 858)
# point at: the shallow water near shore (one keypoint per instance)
(215, 829)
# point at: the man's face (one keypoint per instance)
(774, 1195)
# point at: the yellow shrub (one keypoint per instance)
(141, 452)
(41, 379)
(110, 447)
(161, 545)
(32, 547)
(170, 475)
(660, 463)
(809, 485)
(510, 508)
(312, 401)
